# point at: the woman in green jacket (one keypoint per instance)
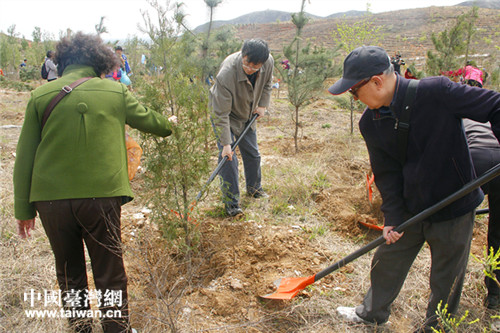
(73, 172)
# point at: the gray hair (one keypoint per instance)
(389, 70)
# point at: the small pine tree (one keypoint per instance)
(309, 67)
(176, 165)
(12, 48)
(211, 4)
(451, 44)
(353, 35)
(448, 322)
(222, 43)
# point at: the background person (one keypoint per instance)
(123, 58)
(396, 61)
(485, 152)
(409, 74)
(469, 74)
(50, 66)
(74, 174)
(242, 87)
(473, 75)
(437, 164)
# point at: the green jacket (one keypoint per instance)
(81, 151)
(233, 99)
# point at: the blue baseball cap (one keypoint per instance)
(360, 64)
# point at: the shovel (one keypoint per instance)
(219, 167)
(288, 288)
(379, 227)
(221, 163)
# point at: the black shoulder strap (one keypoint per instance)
(403, 123)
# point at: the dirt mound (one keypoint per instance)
(248, 258)
(237, 261)
(346, 208)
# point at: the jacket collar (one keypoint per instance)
(399, 94)
(79, 71)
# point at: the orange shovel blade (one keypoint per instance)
(288, 288)
(372, 226)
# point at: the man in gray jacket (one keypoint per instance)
(242, 87)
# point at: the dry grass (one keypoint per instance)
(310, 221)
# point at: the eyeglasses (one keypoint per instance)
(250, 68)
(357, 86)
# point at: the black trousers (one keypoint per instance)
(96, 222)
(485, 159)
(449, 242)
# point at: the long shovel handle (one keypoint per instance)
(466, 189)
(224, 159)
(482, 211)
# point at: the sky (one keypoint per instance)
(123, 16)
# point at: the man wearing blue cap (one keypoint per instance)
(416, 163)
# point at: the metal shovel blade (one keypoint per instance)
(288, 288)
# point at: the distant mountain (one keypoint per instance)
(266, 16)
(271, 16)
(408, 31)
(492, 4)
(350, 13)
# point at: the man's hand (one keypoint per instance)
(226, 151)
(390, 236)
(261, 111)
(24, 227)
(173, 119)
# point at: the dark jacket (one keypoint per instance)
(438, 161)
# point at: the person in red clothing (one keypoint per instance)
(473, 76)
(470, 75)
(409, 74)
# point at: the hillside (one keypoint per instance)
(494, 4)
(267, 16)
(408, 31)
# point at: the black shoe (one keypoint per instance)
(492, 302)
(259, 194)
(233, 210)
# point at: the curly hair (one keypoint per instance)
(85, 49)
